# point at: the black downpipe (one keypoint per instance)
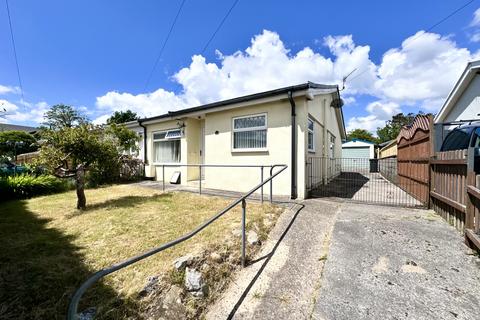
(145, 160)
(294, 148)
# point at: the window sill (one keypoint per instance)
(249, 150)
(311, 151)
(166, 164)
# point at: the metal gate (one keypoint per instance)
(374, 181)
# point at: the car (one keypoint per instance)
(11, 169)
(463, 137)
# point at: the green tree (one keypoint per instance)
(392, 127)
(14, 142)
(60, 116)
(122, 117)
(72, 151)
(361, 134)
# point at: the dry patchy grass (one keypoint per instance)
(49, 248)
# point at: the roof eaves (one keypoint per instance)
(250, 97)
(471, 68)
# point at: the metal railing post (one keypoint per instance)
(200, 180)
(73, 305)
(244, 218)
(261, 181)
(271, 185)
(163, 176)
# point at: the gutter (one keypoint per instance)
(145, 160)
(294, 148)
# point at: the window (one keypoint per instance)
(332, 146)
(476, 138)
(457, 139)
(250, 132)
(166, 146)
(311, 138)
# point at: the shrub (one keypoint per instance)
(27, 186)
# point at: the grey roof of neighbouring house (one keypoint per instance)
(16, 127)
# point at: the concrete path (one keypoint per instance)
(336, 260)
(394, 263)
(283, 284)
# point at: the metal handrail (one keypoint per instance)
(73, 305)
(200, 166)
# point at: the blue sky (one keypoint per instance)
(97, 55)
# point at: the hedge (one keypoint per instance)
(26, 186)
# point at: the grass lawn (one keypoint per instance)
(48, 248)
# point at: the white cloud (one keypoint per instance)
(149, 104)
(26, 113)
(102, 119)
(425, 67)
(475, 26)
(420, 72)
(264, 65)
(379, 113)
(370, 123)
(6, 107)
(476, 18)
(8, 89)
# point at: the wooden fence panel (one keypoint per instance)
(449, 185)
(414, 151)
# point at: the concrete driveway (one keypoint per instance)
(333, 260)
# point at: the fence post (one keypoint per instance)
(244, 218)
(200, 180)
(163, 176)
(261, 181)
(471, 180)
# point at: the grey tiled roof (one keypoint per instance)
(8, 127)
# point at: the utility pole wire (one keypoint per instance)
(163, 46)
(427, 30)
(219, 26)
(15, 51)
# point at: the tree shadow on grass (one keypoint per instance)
(40, 268)
(126, 202)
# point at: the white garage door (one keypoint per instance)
(357, 152)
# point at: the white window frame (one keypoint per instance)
(167, 139)
(264, 127)
(332, 142)
(312, 131)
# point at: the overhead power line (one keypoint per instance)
(15, 51)
(219, 26)
(164, 44)
(427, 30)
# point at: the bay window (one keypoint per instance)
(166, 146)
(250, 133)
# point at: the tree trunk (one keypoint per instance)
(80, 185)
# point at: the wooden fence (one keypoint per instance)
(449, 185)
(446, 181)
(415, 148)
(455, 192)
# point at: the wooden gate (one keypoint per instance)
(415, 147)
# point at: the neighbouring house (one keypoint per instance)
(387, 149)
(136, 127)
(462, 104)
(387, 160)
(16, 127)
(282, 126)
(356, 155)
(357, 148)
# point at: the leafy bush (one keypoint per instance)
(27, 186)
